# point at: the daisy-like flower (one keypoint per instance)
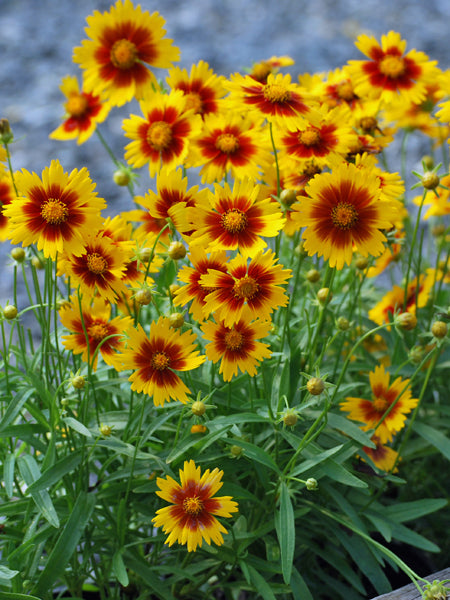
(191, 518)
(390, 71)
(55, 212)
(344, 213)
(202, 88)
(338, 89)
(103, 334)
(387, 409)
(229, 143)
(83, 112)
(396, 301)
(326, 141)
(278, 100)
(156, 358)
(237, 346)
(193, 290)
(384, 457)
(122, 42)
(256, 284)
(161, 137)
(99, 269)
(7, 195)
(235, 219)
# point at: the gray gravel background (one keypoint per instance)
(37, 38)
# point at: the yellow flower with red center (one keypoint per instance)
(191, 517)
(55, 212)
(278, 100)
(160, 138)
(193, 290)
(237, 346)
(390, 71)
(83, 112)
(156, 358)
(383, 457)
(235, 219)
(228, 143)
(93, 332)
(396, 301)
(344, 213)
(122, 43)
(7, 195)
(202, 88)
(256, 284)
(337, 89)
(99, 269)
(387, 409)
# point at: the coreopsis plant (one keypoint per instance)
(267, 320)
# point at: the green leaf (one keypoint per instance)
(67, 542)
(312, 462)
(434, 437)
(149, 575)
(56, 472)
(285, 526)
(407, 511)
(8, 474)
(77, 426)
(11, 596)
(30, 472)
(300, 590)
(14, 407)
(281, 381)
(337, 472)
(119, 569)
(402, 533)
(347, 426)
(6, 573)
(260, 584)
(256, 453)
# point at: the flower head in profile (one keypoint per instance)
(122, 42)
(390, 71)
(156, 358)
(93, 332)
(7, 195)
(231, 219)
(191, 516)
(260, 71)
(387, 408)
(344, 213)
(161, 137)
(237, 347)
(54, 212)
(83, 111)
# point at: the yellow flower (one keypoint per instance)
(191, 517)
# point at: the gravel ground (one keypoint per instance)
(37, 38)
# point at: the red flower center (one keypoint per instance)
(159, 135)
(227, 143)
(309, 137)
(54, 211)
(234, 220)
(344, 215)
(96, 263)
(246, 287)
(275, 92)
(193, 506)
(123, 54)
(392, 66)
(160, 361)
(234, 340)
(76, 105)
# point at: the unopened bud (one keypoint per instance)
(288, 197)
(324, 295)
(361, 263)
(312, 484)
(173, 287)
(78, 382)
(430, 180)
(18, 254)
(105, 430)
(290, 418)
(313, 275)
(198, 408)
(176, 320)
(439, 329)
(6, 134)
(122, 176)
(315, 386)
(10, 312)
(236, 450)
(342, 323)
(428, 162)
(177, 250)
(199, 428)
(37, 262)
(406, 321)
(143, 296)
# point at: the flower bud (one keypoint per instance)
(312, 484)
(105, 430)
(416, 354)
(198, 408)
(122, 176)
(18, 254)
(428, 162)
(288, 197)
(78, 382)
(315, 386)
(173, 287)
(324, 295)
(439, 329)
(438, 230)
(177, 250)
(406, 321)
(313, 275)
(6, 134)
(236, 451)
(10, 312)
(176, 320)
(290, 418)
(342, 323)
(361, 263)
(145, 255)
(143, 296)
(430, 180)
(37, 262)
(199, 428)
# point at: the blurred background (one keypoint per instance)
(37, 38)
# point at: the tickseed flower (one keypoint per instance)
(202, 88)
(198, 428)
(191, 275)
(390, 71)
(235, 219)
(55, 212)
(122, 42)
(103, 333)
(257, 285)
(228, 143)
(161, 137)
(191, 518)
(237, 346)
(278, 99)
(100, 269)
(390, 403)
(156, 358)
(83, 111)
(382, 456)
(344, 213)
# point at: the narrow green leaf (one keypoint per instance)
(402, 533)
(299, 588)
(312, 462)
(30, 472)
(407, 511)
(434, 437)
(67, 542)
(14, 407)
(148, 575)
(119, 569)
(381, 524)
(339, 473)
(260, 584)
(258, 454)
(285, 526)
(11, 596)
(8, 474)
(352, 430)
(190, 441)
(77, 426)
(281, 381)
(56, 472)
(6, 573)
